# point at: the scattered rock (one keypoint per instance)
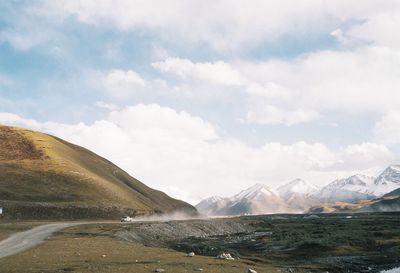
(225, 256)
(159, 270)
(198, 269)
(251, 271)
(190, 254)
(104, 255)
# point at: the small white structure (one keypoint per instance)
(1, 211)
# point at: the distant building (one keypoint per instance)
(1, 211)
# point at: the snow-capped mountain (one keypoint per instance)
(299, 195)
(361, 187)
(388, 202)
(387, 181)
(259, 199)
(352, 189)
(358, 183)
(211, 205)
(256, 199)
(298, 187)
(255, 191)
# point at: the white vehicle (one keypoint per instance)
(126, 219)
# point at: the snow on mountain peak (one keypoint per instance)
(391, 173)
(359, 183)
(353, 183)
(253, 191)
(363, 177)
(214, 198)
(298, 186)
(299, 195)
(395, 168)
(388, 180)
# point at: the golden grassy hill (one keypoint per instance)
(42, 176)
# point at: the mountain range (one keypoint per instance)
(357, 192)
(42, 176)
(292, 197)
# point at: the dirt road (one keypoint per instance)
(24, 240)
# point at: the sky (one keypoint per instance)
(201, 98)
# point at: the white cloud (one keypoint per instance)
(224, 25)
(120, 83)
(121, 77)
(129, 77)
(108, 106)
(300, 90)
(23, 41)
(186, 156)
(232, 24)
(27, 26)
(387, 129)
(218, 72)
(379, 29)
(269, 114)
(10, 118)
(268, 90)
(365, 154)
(363, 80)
(163, 122)
(220, 76)
(341, 37)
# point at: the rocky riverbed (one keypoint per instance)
(327, 242)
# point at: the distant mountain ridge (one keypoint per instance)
(388, 180)
(386, 203)
(301, 196)
(354, 188)
(259, 198)
(297, 186)
(42, 176)
(256, 199)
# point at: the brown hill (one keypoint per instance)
(42, 176)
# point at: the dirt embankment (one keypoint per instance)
(163, 233)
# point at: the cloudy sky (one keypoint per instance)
(201, 98)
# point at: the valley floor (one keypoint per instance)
(93, 249)
(271, 243)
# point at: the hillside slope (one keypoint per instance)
(42, 176)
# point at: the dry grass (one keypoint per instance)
(81, 249)
(15, 146)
